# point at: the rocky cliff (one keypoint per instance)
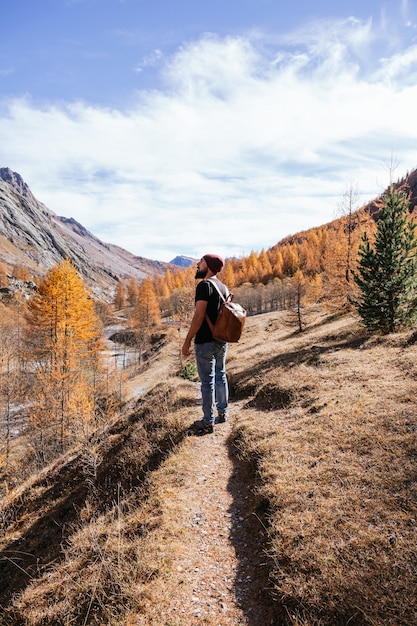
(33, 236)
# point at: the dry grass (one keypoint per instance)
(327, 421)
(78, 546)
(331, 429)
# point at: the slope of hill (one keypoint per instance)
(372, 208)
(301, 510)
(35, 237)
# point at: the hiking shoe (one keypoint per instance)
(203, 428)
(221, 418)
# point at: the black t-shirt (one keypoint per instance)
(206, 291)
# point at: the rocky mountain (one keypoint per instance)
(183, 261)
(33, 236)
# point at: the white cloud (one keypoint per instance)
(150, 60)
(245, 145)
(400, 68)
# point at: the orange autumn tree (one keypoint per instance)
(175, 292)
(133, 291)
(304, 293)
(147, 309)
(147, 315)
(65, 340)
(120, 298)
(12, 377)
(4, 281)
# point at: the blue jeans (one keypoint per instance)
(211, 367)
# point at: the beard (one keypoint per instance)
(201, 273)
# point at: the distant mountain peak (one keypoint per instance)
(183, 261)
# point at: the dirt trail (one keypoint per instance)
(218, 574)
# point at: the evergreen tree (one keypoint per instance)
(386, 273)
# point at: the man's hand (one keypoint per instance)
(198, 318)
(186, 348)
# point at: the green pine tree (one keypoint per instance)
(386, 272)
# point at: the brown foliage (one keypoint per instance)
(327, 254)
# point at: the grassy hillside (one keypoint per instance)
(325, 422)
(329, 424)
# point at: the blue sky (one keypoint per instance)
(187, 126)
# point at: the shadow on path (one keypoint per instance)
(250, 540)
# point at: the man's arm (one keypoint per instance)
(198, 318)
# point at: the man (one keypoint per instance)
(210, 355)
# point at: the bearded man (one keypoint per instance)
(210, 354)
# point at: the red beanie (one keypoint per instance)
(214, 262)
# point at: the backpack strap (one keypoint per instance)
(222, 298)
(218, 290)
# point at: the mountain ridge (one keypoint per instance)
(34, 236)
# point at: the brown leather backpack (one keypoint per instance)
(230, 320)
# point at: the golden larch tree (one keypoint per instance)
(4, 281)
(147, 314)
(147, 309)
(291, 260)
(277, 262)
(229, 275)
(120, 298)
(12, 378)
(133, 291)
(66, 340)
(265, 267)
(304, 293)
